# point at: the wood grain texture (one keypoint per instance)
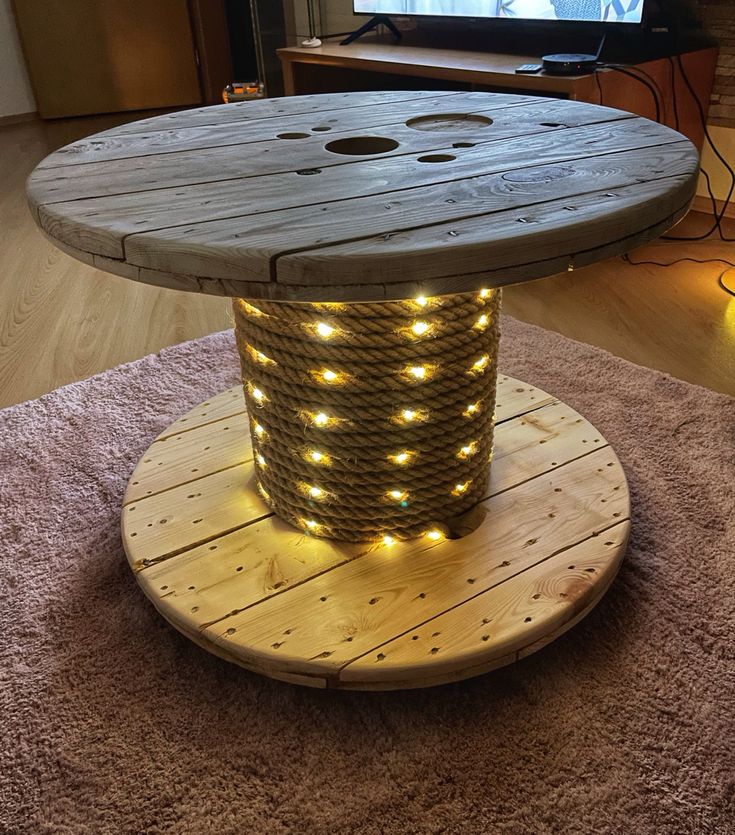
(97, 321)
(247, 586)
(220, 206)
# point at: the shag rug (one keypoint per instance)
(112, 722)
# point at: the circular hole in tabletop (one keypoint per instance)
(436, 158)
(463, 144)
(321, 128)
(361, 145)
(292, 136)
(449, 122)
(307, 172)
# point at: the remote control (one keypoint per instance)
(529, 68)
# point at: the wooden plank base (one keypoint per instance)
(253, 590)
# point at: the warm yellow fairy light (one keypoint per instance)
(420, 328)
(324, 330)
(311, 524)
(259, 430)
(472, 409)
(316, 492)
(398, 495)
(259, 458)
(320, 419)
(459, 489)
(467, 450)
(257, 394)
(434, 535)
(480, 364)
(419, 372)
(263, 492)
(326, 375)
(259, 356)
(317, 457)
(411, 416)
(401, 457)
(389, 540)
(421, 301)
(484, 293)
(482, 322)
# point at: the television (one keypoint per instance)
(599, 11)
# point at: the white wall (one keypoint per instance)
(16, 95)
(338, 16)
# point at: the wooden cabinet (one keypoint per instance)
(378, 66)
(101, 56)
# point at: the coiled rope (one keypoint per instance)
(371, 420)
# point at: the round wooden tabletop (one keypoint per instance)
(364, 196)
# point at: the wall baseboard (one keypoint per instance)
(16, 118)
(703, 204)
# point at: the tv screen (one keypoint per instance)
(605, 11)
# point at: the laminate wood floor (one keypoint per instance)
(62, 321)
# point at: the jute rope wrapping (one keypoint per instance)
(371, 420)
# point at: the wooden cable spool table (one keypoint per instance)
(331, 521)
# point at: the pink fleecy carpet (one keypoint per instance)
(112, 722)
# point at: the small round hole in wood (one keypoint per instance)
(436, 158)
(450, 122)
(292, 135)
(359, 146)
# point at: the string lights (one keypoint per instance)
(401, 458)
(335, 422)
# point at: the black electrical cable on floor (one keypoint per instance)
(633, 263)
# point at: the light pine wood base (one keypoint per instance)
(248, 587)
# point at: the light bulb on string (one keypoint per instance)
(329, 376)
(461, 488)
(402, 458)
(321, 420)
(468, 450)
(411, 415)
(482, 322)
(480, 364)
(317, 457)
(259, 356)
(434, 534)
(323, 329)
(389, 540)
(419, 373)
(311, 525)
(471, 410)
(257, 393)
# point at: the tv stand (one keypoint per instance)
(375, 65)
(373, 23)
